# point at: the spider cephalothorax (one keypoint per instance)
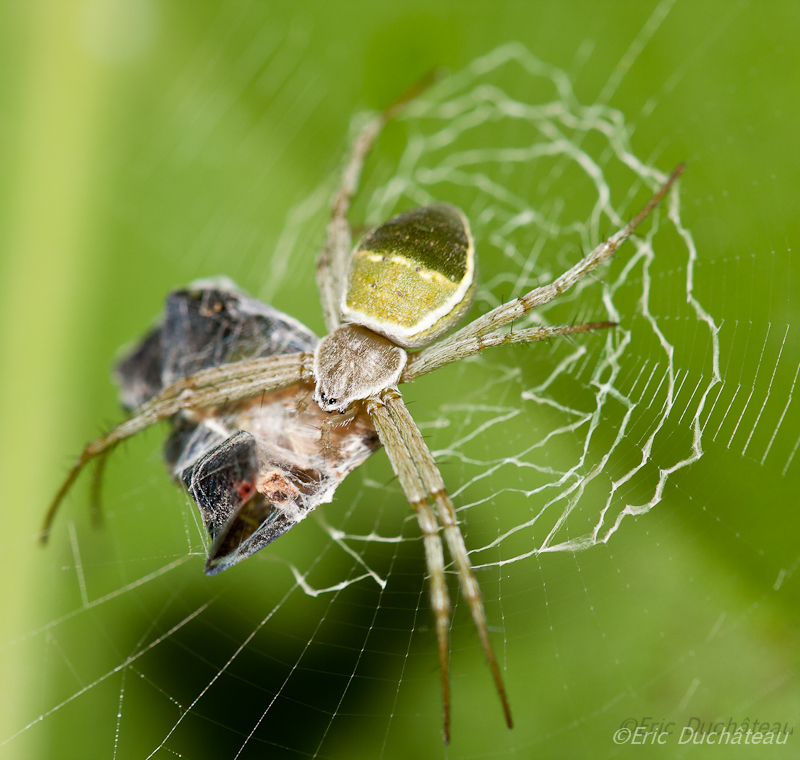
(352, 364)
(267, 420)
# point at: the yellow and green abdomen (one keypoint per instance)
(413, 278)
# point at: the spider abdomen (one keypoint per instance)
(413, 278)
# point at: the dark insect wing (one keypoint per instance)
(269, 473)
(257, 467)
(238, 517)
(206, 327)
(208, 324)
(138, 374)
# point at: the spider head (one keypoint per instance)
(328, 403)
(352, 364)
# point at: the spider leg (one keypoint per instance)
(435, 487)
(327, 448)
(519, 307)
(209, 387)
(416, 493)
(446, 352)
(95, 494)
(332, 258)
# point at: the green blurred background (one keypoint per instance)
(146, 144)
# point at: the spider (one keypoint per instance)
(266, 419)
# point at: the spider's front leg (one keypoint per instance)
(209, 387)
(435, 487)
(421, 480)
(414, 489)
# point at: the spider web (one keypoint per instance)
(587, 398)
(569, 462)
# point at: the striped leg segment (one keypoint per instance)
(434, 485)
(421, 482)
(209, 387)
(411, 482)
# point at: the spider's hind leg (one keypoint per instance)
(480, 332)
(333, 257)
